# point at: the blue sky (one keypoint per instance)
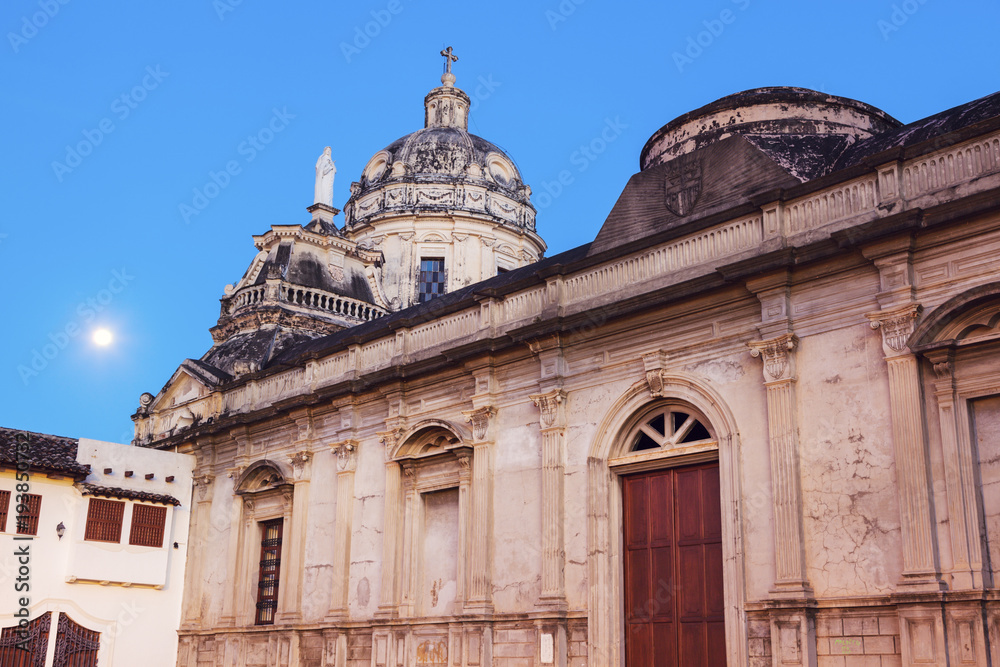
(118, 115)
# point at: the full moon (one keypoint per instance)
(102, 337)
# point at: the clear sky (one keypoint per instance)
(117, 115)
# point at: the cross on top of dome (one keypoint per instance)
(448, 78)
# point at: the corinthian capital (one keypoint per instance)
(552, 406)
(776, 354)
(300, 464)
(347, 455)
(897, 325)
(480, 420)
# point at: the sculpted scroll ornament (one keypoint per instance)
(775, 354)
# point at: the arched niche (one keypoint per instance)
(614, 453)
(265, 500)
(431, 519)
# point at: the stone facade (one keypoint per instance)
(449, 477)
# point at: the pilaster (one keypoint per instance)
(198, 544)
(346, 453)
(552, 408)
(480, 594)
(234, 552)
(920, 563)
(296, 505)
(968, 557)
(783, 432)
(391, 537)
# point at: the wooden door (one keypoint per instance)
(673, 568)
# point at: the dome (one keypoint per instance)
(441, 167)
(767, 113)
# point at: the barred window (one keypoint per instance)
(29, 506)
(4, 503)
(148, 522)
(104, 520)
(270, 569)
(431, 281)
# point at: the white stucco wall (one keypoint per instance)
(130, 594)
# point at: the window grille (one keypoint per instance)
(104, 520)
(270, 570)
(432, 280)
(148, 522)
(76, 646)
(27, 648)
(4, 503)
(28, 508)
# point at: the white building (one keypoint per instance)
(93, 549)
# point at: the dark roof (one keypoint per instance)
(933, 127)
(44, 453)
(783, 95)
(127, 494)
(722, 175)
(284, 262)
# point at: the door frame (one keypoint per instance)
(606, 620)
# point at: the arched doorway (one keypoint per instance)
(675, 434)
(672, 542)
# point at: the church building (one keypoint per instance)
(755, 421)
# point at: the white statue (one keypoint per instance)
(326, 169)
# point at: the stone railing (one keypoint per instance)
(713, 244)
(677, 260)
(308, 298)
(955, 165)
(845, 201)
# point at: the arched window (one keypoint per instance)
(667, 427)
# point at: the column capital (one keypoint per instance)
(347, 455)
(897, 325)
(300, 466)
(776, 355)
(481, 420)
(202, 486)
(552, 406)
